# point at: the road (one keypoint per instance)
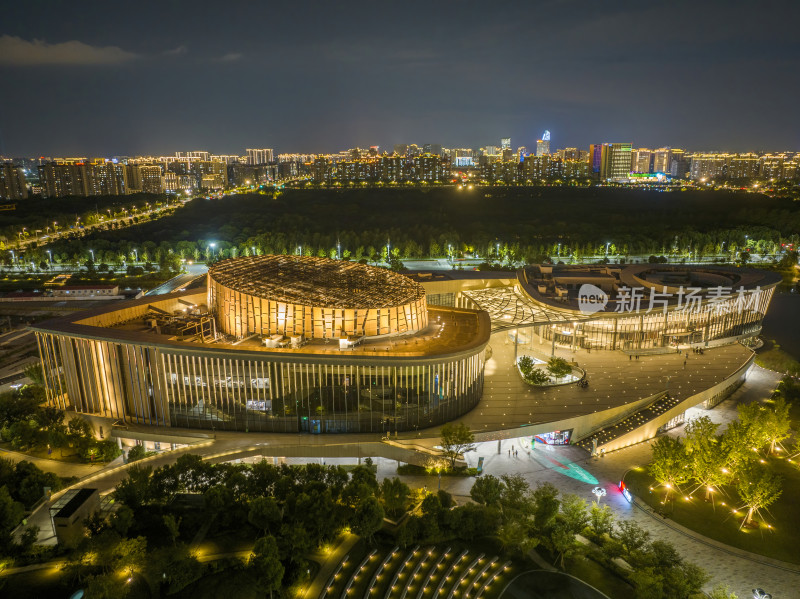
(175, 283)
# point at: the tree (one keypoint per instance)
(264, 513)
(573, 513)
(757, 488)
(265, 564)
(537, 377)
(558, 367)
(722, 591)
(601, 519)
(11, 513)
(456, 440)
(515, 538)
(699, 434)
(137, 452)
(35, 373)
(525, 364)
(631, 536)
(173, 527)
(669, 465)
(545, 507)
(394, 494)
(134, 490)
(707, 455)
(563, 542)
(368, 518)
(777, 423)
(487, 490)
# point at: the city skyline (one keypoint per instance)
(705, 78)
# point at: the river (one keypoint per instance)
(782, 322)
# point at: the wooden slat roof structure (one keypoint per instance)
(319, 282)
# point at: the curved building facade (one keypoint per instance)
(169, 361)
(312, 297)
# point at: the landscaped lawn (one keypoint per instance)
(779, 542)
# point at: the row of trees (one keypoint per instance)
(707, 463)
(513, 225)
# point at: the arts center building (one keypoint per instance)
(291, 344)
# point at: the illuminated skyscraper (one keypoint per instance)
(259, 156)
(12, 182)
(505, 143)
(543, 145)
(611, 161)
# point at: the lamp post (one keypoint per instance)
(92, 253)
(599, 492)
(254, 250)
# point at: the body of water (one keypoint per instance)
(782, 322)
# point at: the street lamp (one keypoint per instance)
(135, 255)
(599, 492)
(49, 258)
(254, 250)
(92, 253)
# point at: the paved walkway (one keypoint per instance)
(332, 561)
(61, 468)
(614, 379)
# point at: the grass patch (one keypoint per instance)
(720, 523)
(604, 580)
(771, 356)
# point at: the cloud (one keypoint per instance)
(15, 51)
(176, 51)
(229, 57)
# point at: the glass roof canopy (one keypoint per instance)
(509, 308)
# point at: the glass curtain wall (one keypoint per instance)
(146, 385)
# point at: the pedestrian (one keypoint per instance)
(630, 357)
(509, 453)
(684, 364)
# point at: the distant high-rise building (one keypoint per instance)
(401, 149)
(435, 149)
(61, 180)
(543, 145)
(151, 178)
(615, 160)
(569, 154)
(505, 143)
(491, 151)
(642, 161)
(259, 156)
(12, 182)
(679, 163)
(661, 160)
(107, 179)
(193, 155)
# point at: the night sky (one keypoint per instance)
(112, 78)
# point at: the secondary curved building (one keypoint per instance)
(274, 344)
